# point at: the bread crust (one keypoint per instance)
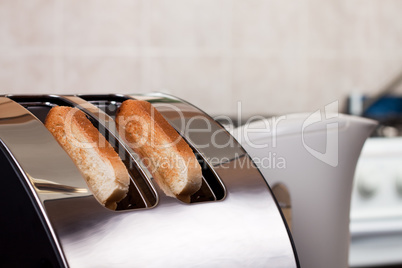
(100, 165)
(167, 155)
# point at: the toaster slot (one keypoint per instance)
(210, 178)
(211, 189)
(140, 194)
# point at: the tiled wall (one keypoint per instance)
(275, 56)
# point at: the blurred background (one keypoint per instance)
(274, 56)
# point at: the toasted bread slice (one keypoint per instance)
(100, 165)
(167, 155)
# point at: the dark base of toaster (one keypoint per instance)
(24, 241)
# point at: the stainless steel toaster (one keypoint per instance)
(50, 218)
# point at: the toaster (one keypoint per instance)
(51, 218)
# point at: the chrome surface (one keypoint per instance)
(243, 229)
(34, 151)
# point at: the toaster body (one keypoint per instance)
(232, 221)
